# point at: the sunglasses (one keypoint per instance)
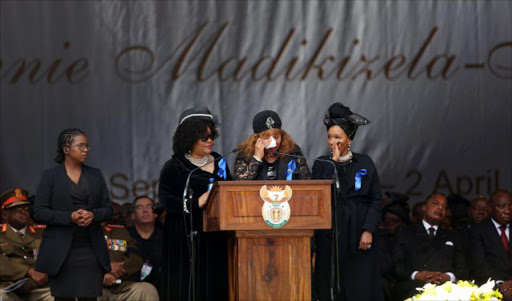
(205, 137)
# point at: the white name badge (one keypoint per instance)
(145, 271)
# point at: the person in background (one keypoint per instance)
(148, 237)
(126, 215)
(417, 213)
(123, 282)
(257, 157)
(73, 200)
(459, 207)
(395, 216)
(447, 222)
(395, 213)
(116, 213)
(426, 252)
(19, 245)
(358, 212)
(478, 210)
(193, 144)
(491, 246)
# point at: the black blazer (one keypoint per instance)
(414, 251)
(53, 206)
(488, 256)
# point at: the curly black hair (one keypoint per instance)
(189, 132)
(65, 139)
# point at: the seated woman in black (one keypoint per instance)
(262, 156)
(356, 218)
(72, 200)
(192, 144)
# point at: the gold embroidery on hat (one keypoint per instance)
(17, 193)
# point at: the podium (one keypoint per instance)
(269, 261)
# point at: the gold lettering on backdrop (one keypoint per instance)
(122, 188)
(296, 59)
(74, 72)
(390, 66)
(467, 185)
(496, 68)
(200, 47)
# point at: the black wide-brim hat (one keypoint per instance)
(266, 120)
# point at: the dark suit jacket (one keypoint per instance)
(53, 206)
(488, 256)
(414, 251)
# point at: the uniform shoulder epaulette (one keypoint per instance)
(109, 227)
(32, 228)
(115, 226)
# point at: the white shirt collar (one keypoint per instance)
(497, 225)
(507, 231)
(22, 230)
(427, 226)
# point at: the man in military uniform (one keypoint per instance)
(121, 283)
(19, 245)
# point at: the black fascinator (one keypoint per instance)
(340, 115)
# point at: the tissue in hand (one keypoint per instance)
(272, 143)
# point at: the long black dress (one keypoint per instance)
(211, 247)
(357, 210)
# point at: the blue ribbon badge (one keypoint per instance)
(359, 178)
(289, 171)
(222, 168)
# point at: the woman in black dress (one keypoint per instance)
(192, 144)
(257, 157)
(356, 216)
(72, 200)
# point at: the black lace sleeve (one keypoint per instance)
(302, 165)
(246, 170)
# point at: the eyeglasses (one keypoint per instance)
(142, 207)
(82, 147)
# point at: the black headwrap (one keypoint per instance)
(340, 115)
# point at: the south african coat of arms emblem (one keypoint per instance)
(276, 210)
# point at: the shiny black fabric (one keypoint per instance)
(211, 247)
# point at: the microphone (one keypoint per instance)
(192, 233)
(336, 177)
(187, 183)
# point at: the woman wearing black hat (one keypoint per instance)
(192, 144)
(72, 200)
(262, 156)
(356, 216)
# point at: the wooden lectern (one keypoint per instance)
(267, 263)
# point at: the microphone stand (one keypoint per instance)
(187, 202)
(335, 260)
